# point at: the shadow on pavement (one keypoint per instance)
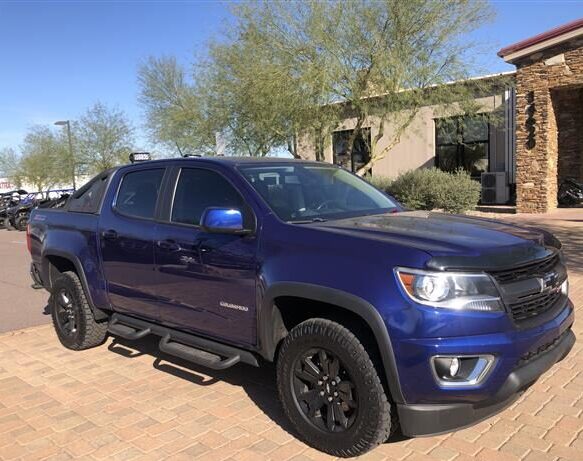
(258, 383)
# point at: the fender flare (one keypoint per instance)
(271, 329)
(97, 312)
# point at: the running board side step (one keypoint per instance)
(197, 356)
(125, 331)
(195, 349)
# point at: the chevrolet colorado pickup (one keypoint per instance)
(376, 317)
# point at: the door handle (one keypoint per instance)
(168, 245)
(109, 234)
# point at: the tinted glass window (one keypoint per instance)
(309, 192)
(199, 189)
(138, 193)
(360, 149)
(462, 142)
(87, 200)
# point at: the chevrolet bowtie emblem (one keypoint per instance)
(548, 281)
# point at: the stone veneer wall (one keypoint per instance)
(568, 106)
(539, 76)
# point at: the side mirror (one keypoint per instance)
(222, 221)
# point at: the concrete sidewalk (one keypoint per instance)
(127, 401)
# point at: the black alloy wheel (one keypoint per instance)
(66, 316)
(324, 392)
(72, 315)
(331, 391)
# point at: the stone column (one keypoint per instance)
(536, 144)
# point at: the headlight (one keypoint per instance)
(450, 290)
(565, 287)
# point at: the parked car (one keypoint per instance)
(376, 317)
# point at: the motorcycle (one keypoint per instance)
(570, 193)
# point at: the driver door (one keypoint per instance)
(206, 281)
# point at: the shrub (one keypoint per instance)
(461, 194)
(428, 189)
(380, 182)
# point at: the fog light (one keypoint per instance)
(450, 370)
(454, 367)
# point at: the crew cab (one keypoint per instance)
(378, 318)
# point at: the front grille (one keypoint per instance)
(532, 355)
(528, 271)
(534, 305)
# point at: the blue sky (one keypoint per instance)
(59, 57)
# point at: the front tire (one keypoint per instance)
(331, 391)
(72, 316)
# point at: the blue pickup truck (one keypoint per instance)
(377, 318)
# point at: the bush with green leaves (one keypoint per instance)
(428, 189)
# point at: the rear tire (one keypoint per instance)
(7, 224)
(331, 391)
(21, 223)
(72, 316)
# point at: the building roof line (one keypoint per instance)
(539, 39)
(436, 85)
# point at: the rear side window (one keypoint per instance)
(198, 189)
(139, 192)
(87, 200)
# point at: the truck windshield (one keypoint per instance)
(307, 193)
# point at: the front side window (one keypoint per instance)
(139, 192)
(462, 142)
(315, 192)
(199, 189)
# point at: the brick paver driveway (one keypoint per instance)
(126, 401)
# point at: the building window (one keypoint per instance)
(462, 142)
(360, 151)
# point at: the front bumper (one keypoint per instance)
(431, 419)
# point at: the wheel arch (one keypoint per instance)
(56, 262)
(272, 329)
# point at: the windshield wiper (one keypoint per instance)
(308, 221)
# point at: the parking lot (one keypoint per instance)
(20, 306)
(128, 401)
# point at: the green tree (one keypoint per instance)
(370, 59)
(233, 96)
(44, 160)
(172, 108)
(103, 137)
(9, 162)
(256, 98)
(289, 68)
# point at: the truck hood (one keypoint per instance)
(453, 241)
